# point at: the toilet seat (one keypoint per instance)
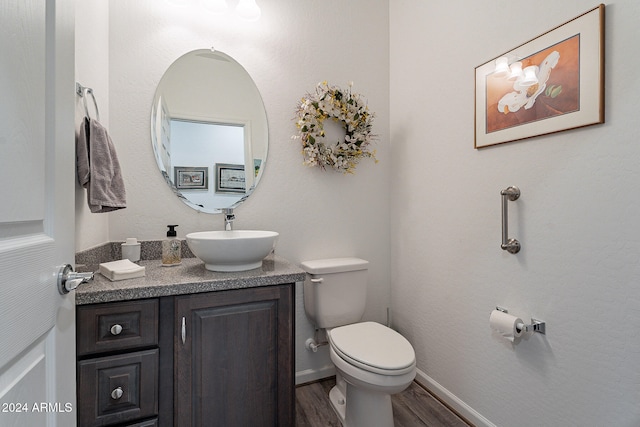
(373, 347)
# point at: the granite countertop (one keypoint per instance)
(189, 277)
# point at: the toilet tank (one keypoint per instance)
(335, 291)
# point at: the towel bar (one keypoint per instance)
(83, 92)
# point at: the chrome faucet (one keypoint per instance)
(229, 216)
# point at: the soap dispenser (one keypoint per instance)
(171, 248)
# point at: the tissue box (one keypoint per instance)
(120, 270)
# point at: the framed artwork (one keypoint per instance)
(230, 178)
(552, 83)
(191, 178)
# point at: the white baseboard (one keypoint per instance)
(311, 375)
(452, 400)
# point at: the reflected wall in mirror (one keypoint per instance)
(208, 130)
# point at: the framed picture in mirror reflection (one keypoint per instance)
(230, 178)
(191, 178)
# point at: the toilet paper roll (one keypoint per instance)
(505, 324)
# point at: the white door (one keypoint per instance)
(37, 158)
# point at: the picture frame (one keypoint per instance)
(230, 178)
(257, 164)
(191, 178)
(569, 92)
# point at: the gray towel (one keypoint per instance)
(99, 169)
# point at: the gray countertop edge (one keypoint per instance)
(189, 277)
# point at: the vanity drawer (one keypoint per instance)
(123, 388)
(116, 326)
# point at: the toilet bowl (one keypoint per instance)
(372, 361)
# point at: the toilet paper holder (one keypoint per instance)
(536, 325)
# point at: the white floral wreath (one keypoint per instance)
(341, 106)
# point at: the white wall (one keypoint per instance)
(288, 51)
(576, 219)
(92, 70)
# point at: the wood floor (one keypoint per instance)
(413, 407)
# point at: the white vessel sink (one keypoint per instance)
(234, 250)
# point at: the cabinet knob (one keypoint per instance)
(117, 393)
(116, 329)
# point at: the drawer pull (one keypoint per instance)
(116, 329)
(117, 393)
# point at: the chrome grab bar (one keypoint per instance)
(510, 245)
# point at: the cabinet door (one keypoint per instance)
(235, 365)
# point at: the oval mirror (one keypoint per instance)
(209, 130)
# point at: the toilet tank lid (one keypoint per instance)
(334, 265)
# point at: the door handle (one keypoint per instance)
(183, 333)
(68, 280)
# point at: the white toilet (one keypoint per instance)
(372, 361)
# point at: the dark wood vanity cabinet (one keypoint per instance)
(233, 358)
(223, 358)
